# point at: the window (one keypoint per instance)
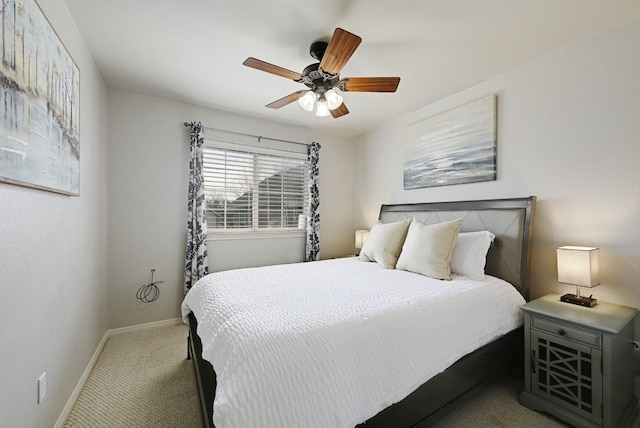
(253, 189)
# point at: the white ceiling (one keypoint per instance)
(193, 50)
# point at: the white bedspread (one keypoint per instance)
(332, 343)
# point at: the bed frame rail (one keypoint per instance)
(205, 375)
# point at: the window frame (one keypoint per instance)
(256, 231)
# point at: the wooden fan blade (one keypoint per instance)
(340, 111)
(270, 68)
(369, 84)
(341, 46)
(287, 100)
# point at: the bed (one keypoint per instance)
(436, 383)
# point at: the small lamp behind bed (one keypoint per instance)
(579, 266)
(361, 236)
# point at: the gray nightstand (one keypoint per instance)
(579, 362)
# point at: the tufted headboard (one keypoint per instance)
(510, 220)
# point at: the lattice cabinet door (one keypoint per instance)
(568, 374)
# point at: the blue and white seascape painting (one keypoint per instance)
(454, 147)
(39, 103)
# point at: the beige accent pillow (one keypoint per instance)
(384, 243)
(427, 248)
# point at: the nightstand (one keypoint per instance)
(579, 362)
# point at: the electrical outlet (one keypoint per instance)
(42, 387)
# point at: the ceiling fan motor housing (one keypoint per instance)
(319, 82)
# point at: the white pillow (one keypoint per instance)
(384, 243)
(427, 248)
(470, 254)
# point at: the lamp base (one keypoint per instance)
(579, 300)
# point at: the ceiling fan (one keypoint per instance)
(323, 77)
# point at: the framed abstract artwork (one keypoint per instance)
(454, 147)
(39, 103)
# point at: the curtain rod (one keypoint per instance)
(259, 137)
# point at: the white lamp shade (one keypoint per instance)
(361, 236)
(322, 109)
(333, 99)
(579, 266)
(307, 101)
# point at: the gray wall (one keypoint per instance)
(53, 263)
(568, 132)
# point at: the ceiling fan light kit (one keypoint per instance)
(329, 100)
(323, 77)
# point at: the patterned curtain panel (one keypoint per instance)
(313, 224)
(195, 265)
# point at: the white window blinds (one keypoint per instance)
(253, 189)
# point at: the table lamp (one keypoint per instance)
(579, 266)
(361, 236)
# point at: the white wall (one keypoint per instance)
(568, 132)
(148, 169)
(53, 273)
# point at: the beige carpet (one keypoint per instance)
(143, 379)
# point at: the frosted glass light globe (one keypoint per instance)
(307, 101)
(334, 100)
(322, 109)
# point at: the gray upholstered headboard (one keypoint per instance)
(509, 219)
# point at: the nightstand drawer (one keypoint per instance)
(567, 332)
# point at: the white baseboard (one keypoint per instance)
(66, 411)
(92, 362)
(164, 323)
